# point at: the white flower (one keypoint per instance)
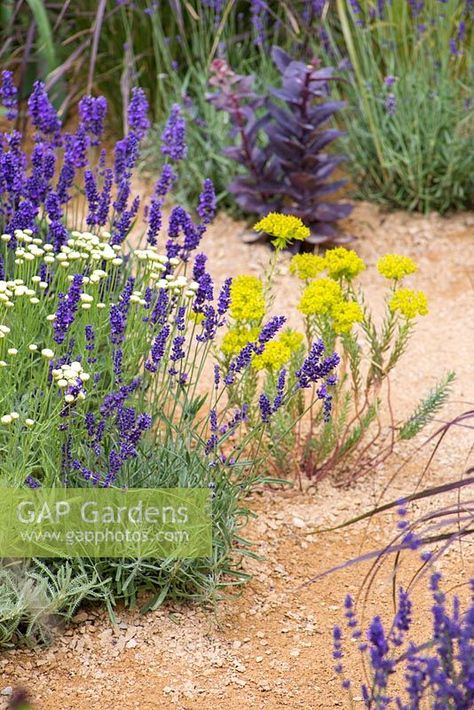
(14, 415)
(4, 329)
(47, 353)
(12, 351)
(33, 347)
(29, 422)
(3, 363)
(6, 419)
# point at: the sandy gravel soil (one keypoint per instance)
(271, 647)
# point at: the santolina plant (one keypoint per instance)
(338, 319)
(102, 348)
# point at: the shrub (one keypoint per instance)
(283, 147)
(337, 318)
(409, 122)
(103, 349)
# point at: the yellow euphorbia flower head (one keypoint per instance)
(343, 263)
(409, 303)
(345, 314)
(247, 302)
(283, 227)
(320, 296)
(237, 338)
(307, 266)
(396, 266)
(274, 357)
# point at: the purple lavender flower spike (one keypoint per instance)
(391, 104)
(166, 181)
(9, 96)
(154, 222)
(92, 196)
(138, 121)
(42, 112)
(92, 112)
(173, 136)
(68, 304)
(158, 349)
(207, 202)
(223, 302)
(105, 197)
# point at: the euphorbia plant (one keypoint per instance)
(283, 142)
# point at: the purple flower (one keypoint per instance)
(77, 147)
(42, 112)
(389, 80)
(92, 112)
(117, 360)
(391, 104)
(154, 222)
(138, 120)
(67, 307)
(173, 136)
(165, 183)
(122, 226)
(158, 349)
(207, 202)
(160, 311)
(103, 204)
(92, 196)
(265, 407)
(258, 13)
(177, 352)
(32, 482)
(8, 95)
(223, 302)
(269, 331)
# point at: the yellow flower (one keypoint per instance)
(275, 355)
(196, 317)
(343, 263)
(396, 266)
(345, 315)
(237, 338)
(319, 297)
(292, 339)
(247, 302)
(284, 227)
(409, 303)
(307, 266)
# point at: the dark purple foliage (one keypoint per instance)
(283, 144)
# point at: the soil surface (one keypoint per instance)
(270, 647)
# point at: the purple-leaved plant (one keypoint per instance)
(283, 144)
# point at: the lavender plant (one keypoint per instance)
(439, 670)
(103, 349)
(409, 89)
(438, 673)
(283, 145)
